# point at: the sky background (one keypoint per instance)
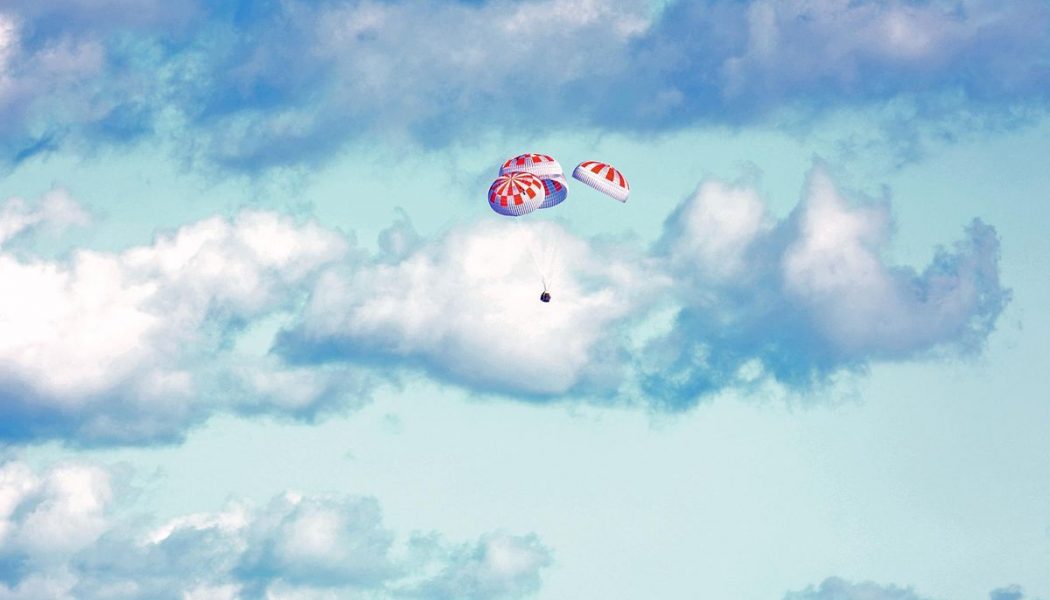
(260, 337)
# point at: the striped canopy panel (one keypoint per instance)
(541, 165)
(516, 194)
(556, 191)
(603, 178)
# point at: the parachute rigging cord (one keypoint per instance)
(543, 264)
(550, 245)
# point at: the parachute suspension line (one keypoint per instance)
(550, 265)
(544, 244)
(530, 242)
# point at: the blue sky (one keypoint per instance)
(261, 338)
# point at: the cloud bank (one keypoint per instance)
(265, 314)
(795, 301)
(255, 85)
(58, 540)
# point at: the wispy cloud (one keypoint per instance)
(56, 210)
(835, 588)
(287, 83)
(59, 539)
(1012, 592)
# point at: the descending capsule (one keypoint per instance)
(516, 194)
(603, 178)
(541, 165)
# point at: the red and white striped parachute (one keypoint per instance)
(541, 165)
(603, 178)
(516, 194)
(556, 189)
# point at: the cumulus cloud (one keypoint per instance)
(465, 309)
(295, 546)
(861, 305)
(219, 71)
(810, 295)
(45, 519)
(117, 346)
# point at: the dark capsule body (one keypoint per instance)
(545, 297)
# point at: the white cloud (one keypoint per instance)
(78, 330)
(138, 345)
(811, 295)
(799, 43)
(466, 306)
(292, 82)
(16, 482)
(297, 546)
(55, 210)
(320, 541)
(8, 40)
(499, 566)
(110, 339)
(835, 269)
(47, 518)
(231, 520)
(718, 226)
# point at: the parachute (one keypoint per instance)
(516, 194)
(556, 190)
(603, 178)
(529, 182)
(541, 165)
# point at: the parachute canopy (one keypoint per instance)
(516, 194)
(541, 165)
(556, 190)
(513, 194)
(603, 178)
